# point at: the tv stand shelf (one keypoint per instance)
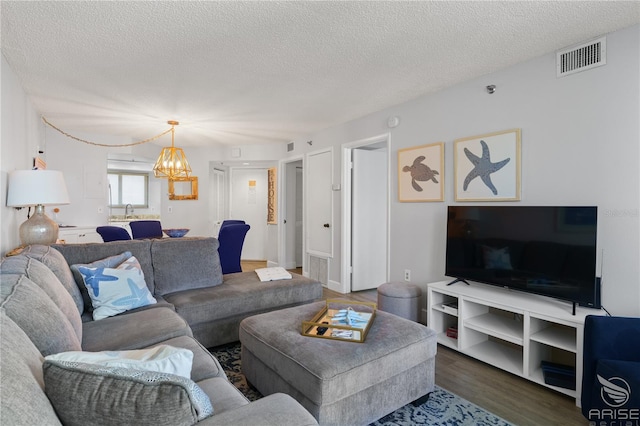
(508, 329)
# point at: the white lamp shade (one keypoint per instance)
(33, 187)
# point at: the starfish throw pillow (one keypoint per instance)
(116, 290)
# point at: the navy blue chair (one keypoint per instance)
(113, 233)
(231, 222)
(231, 238)
(146, 229)
(611, 368)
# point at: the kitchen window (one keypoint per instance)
(127, 187)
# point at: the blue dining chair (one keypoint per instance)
(231, 222)
(231, 238)
(146, 229)
(113, 233)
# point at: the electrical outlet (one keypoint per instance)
(407, 274)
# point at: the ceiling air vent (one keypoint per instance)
(290, 147)
(582, 57)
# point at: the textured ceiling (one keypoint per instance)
(265, 72)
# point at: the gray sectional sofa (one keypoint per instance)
(45, 312)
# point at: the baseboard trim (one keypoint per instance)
(290, 265)
(335, 286)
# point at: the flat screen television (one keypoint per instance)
(545, 250)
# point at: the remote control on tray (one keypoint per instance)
(322, 330)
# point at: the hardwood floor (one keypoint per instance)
(250, 265)
(514, 399)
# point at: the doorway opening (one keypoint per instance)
(291, 218)
(366, 189)
(217, 198)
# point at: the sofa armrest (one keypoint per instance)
(277, 409)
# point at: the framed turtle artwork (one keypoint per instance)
(421, 173)
(487, 167)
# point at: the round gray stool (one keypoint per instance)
(400, 298)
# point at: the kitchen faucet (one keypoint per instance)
(126, 210)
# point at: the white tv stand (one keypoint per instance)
(511, 330)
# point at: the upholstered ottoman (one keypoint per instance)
(400, 298)
(339, 382)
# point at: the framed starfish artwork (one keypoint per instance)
(421, 173)
(487, 167)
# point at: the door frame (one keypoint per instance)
(347, 148)
(217, 181)
(283, 200)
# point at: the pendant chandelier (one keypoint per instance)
(172, 163)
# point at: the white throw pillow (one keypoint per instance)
(116, 290)
(162, 358)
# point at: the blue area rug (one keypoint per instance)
(443, 408)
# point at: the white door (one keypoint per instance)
(319, 204)
(248, 202)
(368, 218)
(216, 199)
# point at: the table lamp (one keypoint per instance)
(37, 188)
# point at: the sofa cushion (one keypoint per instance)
(41, 275)
(214, 313)
(36, 314)
(116, 290)
(274, 410)
(22, 386)
(134, 330)
(185, 263)
(243, 292)
(205, 365)
(92, 394)
(90, 252)
(56, 262)
(107, 262)
(161, 358)
(223, 395)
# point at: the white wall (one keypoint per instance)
(21, 132)
(83, 163)
(85, 172)
(249, 203)
(580, 146)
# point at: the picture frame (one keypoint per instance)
(487, 167)
(183, 188)
(421, 173)
(272, 196)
